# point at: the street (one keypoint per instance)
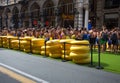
(46, 70)
(5, 79)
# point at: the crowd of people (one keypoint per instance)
(107, 38)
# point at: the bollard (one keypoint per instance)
(30, 46)
(63, 60)
(99, 64)
(1, 42)
(9, 43)
(45, 49)
(91, 53)
(19, 42)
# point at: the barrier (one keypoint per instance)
(64, 59)
(80, 51)
(37, 43)
(28, 44)
(55, 48)
(10, 39)
(15, 44)
(4, 41)
(99, 64)
(65, 45)
(67, 49)
(45, 50)
(91, 53)
(1, 41)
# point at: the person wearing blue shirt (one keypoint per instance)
(89, 25)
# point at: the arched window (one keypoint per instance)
(35, 11)
(48, 13)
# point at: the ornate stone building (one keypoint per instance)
(75, 13)
(29, 13)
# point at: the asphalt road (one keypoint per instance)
(7, 79)
(44, 70)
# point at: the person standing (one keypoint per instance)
(104, 39)
(114, 39)
(89, 25)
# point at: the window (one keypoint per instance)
(111, 20)
(112, 4)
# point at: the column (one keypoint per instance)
(56, 16)
(56, 21)
(3, 20)
(9, 20)
(100, 14)
(78, 21)
(86, 6)
(20, 20)
(30, 19)
(119, 19)
(6, 20)
(42, 17)
(0, 22)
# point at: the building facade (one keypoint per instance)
(66, 13)
(30, 13)
(108, 13)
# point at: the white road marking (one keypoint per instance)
(24, 74)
